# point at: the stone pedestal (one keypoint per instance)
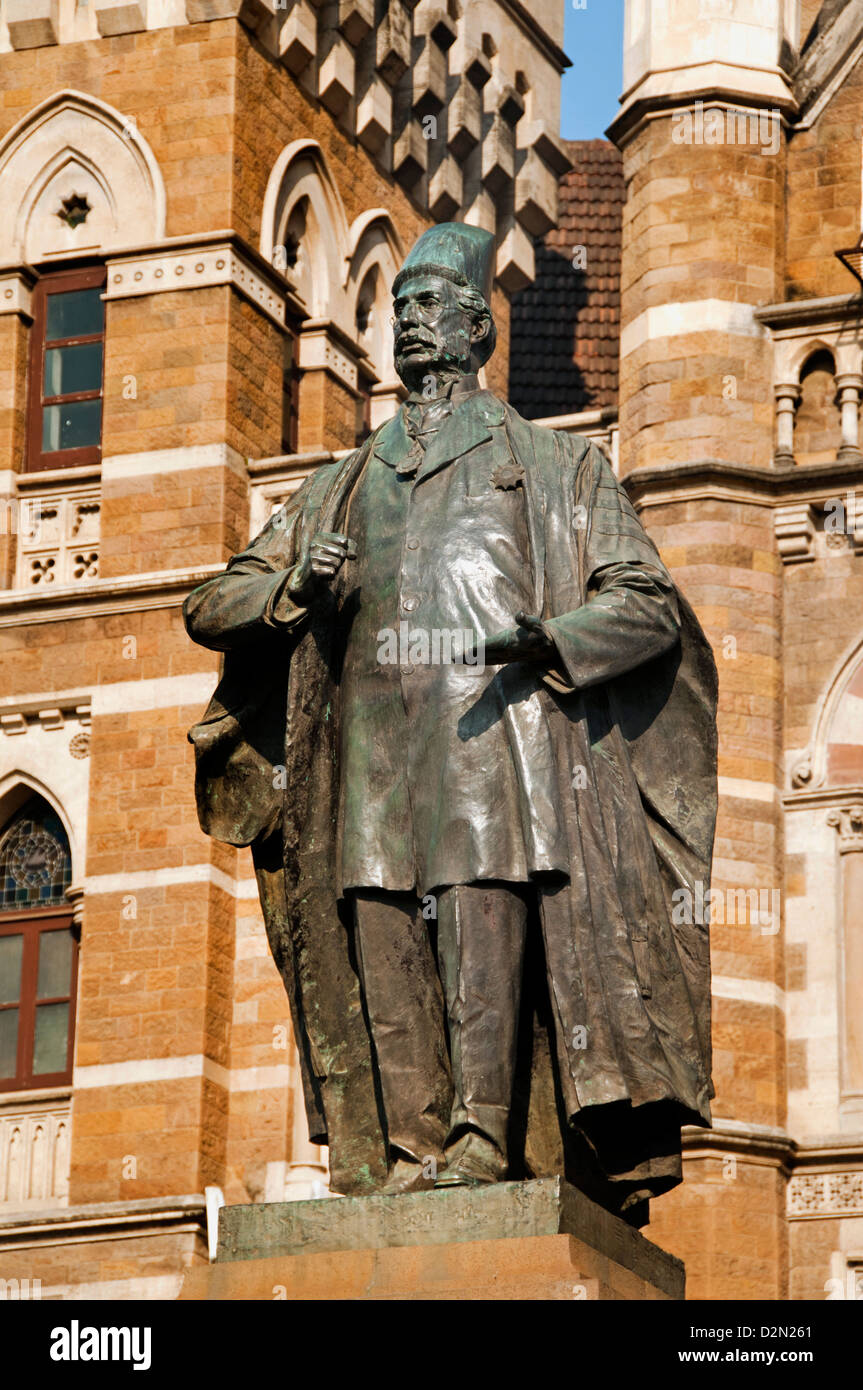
(516, 1240)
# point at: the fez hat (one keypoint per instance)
(459, 253)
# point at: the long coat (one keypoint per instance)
(640, 818)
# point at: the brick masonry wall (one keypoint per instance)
(178, 85)
(824, 194)
(727, 1222)
(700, 222)
(721, 553)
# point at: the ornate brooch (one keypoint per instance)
(507, 476)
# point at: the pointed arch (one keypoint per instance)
(73, 143)
(303, 213)
(835, 753)
(373, 257)
(804, 351)
(35, 856)
(16, 788)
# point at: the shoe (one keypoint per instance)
(406, 1176)
(473, 1162)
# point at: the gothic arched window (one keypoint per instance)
(38, 950)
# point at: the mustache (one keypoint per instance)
(416, 335)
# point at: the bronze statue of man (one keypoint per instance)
(466, 853)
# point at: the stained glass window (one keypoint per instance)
(35, 864)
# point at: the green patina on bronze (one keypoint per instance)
(607, 671)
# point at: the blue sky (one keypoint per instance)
(593, 39)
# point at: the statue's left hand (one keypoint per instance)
(527, 642)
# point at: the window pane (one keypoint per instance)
(72, 426)
(8, 1043)
(72, 369)
(52, 1037)
(11, 948)
(74, 314)
(55, 964)
(35, 864)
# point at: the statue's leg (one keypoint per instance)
(405, 1007)
(481, 938)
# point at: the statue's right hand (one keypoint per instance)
(322, 559)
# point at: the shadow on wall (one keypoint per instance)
(544, 378)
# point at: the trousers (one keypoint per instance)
(443, 1023)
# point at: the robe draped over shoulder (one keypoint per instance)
(640, 815)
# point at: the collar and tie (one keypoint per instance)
(423, 417)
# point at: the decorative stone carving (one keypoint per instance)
(849, 386)
(536, 195)
(825, 1194)
(429, 79)
(848, 820)
(446, 189)
(32, 23)
(252, 13)
(298, 37)
(375, 116)
(192, 268)
(498, 155)
(787, 396)
(15, 293)
(515, 257)
(393, 43)
(464, 127)
(34, 1154)
(121, 16)
(61, 546)
(801, 773)
(410, 154)
(321, 350)
(794, 527)
(356, 19)
(73, 143)
(337, 77)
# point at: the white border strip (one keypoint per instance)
(245, 889)
(194, 1065)
(160, 692)
(116, 466)
(692, 316)
(748, 991)
(748, 791)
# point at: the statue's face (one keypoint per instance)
(431, 333)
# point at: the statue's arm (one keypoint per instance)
(631, 616)
(238, 607)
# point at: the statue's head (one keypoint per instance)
(442, 321)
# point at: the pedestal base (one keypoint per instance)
(520, 1240)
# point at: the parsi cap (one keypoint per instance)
(460, 253)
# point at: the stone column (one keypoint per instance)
(75, 899)
(848, 821)
(306, 1172)
(787, 395)
(849, 386)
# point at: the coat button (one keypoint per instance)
(413, 543)
(409, 604)
(407, 670)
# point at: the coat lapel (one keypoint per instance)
(392, 443)
(468, 426)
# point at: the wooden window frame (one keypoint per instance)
(58, 282)
(32, 924)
